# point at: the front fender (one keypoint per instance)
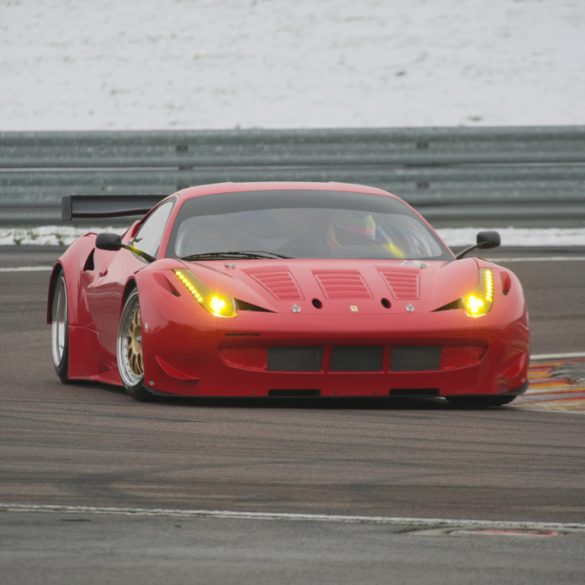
(71, 263)
(170, 316)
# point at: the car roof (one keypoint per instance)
(228, 187)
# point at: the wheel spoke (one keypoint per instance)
(130, 362)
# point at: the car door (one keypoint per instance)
(113, 270)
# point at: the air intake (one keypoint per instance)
(295, 359)
(414, 392)
(293, 393)
(415, 358)
(356, 359)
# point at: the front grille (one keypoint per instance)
(295, 359)
(415, 358)
(356, 359)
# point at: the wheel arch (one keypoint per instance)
(55, 273)
(71, 265)
(128, 288)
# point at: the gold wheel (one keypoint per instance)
(130, 352)
(134, 344)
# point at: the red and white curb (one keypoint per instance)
(556, 383)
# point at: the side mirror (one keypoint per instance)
(484, 240)
(487, 240)
(112, 242)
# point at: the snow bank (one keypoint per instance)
(511, 236)
(59, 235)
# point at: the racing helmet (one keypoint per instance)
(351, 227)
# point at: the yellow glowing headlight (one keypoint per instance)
(480, 301)
(216, 303)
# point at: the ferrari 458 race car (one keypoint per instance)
(284, 289)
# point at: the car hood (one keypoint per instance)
(336, 286)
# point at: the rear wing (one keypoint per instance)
(88, 206)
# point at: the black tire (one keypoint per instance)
(480, 401)
(60, 329)
(129, 349)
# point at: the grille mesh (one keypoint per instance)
(415, 358)
(295, 359)
(356, 359)
(364, 358)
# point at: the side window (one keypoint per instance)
(151, 231)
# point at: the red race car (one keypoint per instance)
(284, 289)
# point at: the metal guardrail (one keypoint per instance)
(453, 175)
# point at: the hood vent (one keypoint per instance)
(403, 284)
(342, 284)
(278, 281)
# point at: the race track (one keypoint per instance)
(89, 445)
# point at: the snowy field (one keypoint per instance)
(191, 64)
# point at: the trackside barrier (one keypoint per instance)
(523, 175)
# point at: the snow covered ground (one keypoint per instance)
(106, 64)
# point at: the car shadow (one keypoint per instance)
(419, 404)
(301, 403)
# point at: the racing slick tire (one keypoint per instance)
(129, 349)
(60, 329)
(480, 401)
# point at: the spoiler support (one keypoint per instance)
(96, 206)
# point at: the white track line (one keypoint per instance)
(26, 269)
(557, 356)
(539, 259)
(324, 518)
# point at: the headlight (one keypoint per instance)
(479, 302)
(216, 303)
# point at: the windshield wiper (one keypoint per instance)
(251, 254)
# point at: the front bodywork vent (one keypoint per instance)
(457, 304)
(244, 306)
(342, 284)
(278, 281)
(403, 284)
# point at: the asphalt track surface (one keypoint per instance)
(86, 445)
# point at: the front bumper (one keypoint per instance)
(230, 357)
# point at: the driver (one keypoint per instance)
(358, 228)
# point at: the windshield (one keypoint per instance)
(302, 224)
